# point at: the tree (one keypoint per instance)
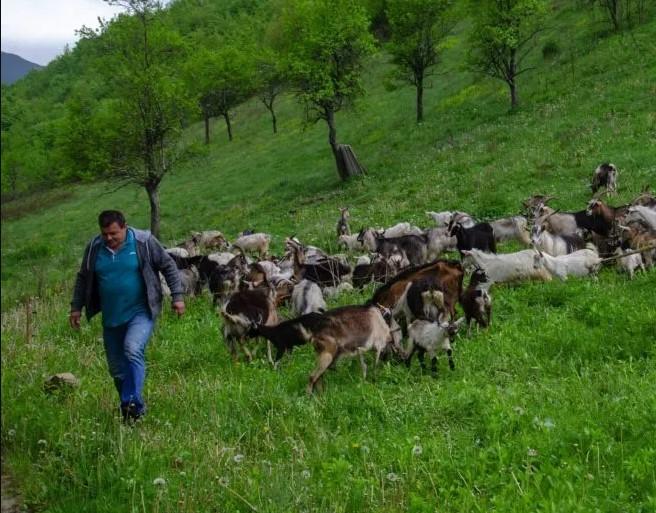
(504, 34)
(271, 81)
(417, 27)
(622, 12)
(141, 64)
(325, 42)
(222, 78)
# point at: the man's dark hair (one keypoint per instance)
(108, 217)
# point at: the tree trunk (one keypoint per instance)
(226, 116)
(332, 140)
(153, 197)
(207, 128)
(420, 100)
(274, 121)
(514, 100)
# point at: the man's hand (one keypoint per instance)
(178, 307)
(74, 319)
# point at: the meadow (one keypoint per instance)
(552, 409)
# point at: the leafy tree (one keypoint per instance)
(271, 81)
(505, 32)
(325, 42)
(417, 27)
(622, 13)
(141, 64)
(222, 79)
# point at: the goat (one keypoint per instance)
(645, 199)
(566, 223)
(439, 241)
(506, 267)
(379, 269)
(479, 236)
(414, 246)
(342, 225)
(646, 214)
(555, 245)
(579, 263)
(243, 308)
(511, 228)
(324, 273)
(349, 242)
(638, 237)
(306, 298)
(190, 280)
(401, 230)
(447, 275)
(629, 263)
(476, 301)
(441, 219)
(423, 299)
(178, 252)
(428, 337)
(209, 239)
(604, 176)
(256, 242)
(534, 204)
(330, 292)
(463, 219)
(604, 216)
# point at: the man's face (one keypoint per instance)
(114, 235)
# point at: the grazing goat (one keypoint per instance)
(427, 337)
(604, 176)
(256, 242)
(638, 237)
(645, 198)
(423, 299)
(566, 223)
(479, 236)
(325, 272)
(441, 219)
(209, 239)
(380, 269)
(245, 307)
(629, 263)
(190, 280)
(476, 301)
(307, 298)
(507, 267)
(645, 214)
(555, 245)
(447, 275)
(439, 241)
(349, 242)
(413, 246)
(579, 263)
(401, 230)
(511, 228)
(342, 225)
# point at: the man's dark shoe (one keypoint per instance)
(130, 413)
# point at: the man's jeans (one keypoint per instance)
(125, 346)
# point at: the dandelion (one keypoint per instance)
(11, 433)
(417, 450)
(365, 449)
(549, 423)
(159, 481)
(224, 481)
(305, 474)
(519, 410)
(392, 477)
(238, 458)
(532, 452)
(42, 442)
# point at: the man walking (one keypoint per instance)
(119, 277)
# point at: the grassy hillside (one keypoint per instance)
(552, 409)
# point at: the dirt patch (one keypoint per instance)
(11, 502)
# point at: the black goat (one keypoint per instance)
(480, 236)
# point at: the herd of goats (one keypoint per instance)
(418, 290)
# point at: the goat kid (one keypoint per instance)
(427, 337)
(584, 262)
(506, 267)
(476, 301)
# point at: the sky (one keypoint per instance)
(38, 30)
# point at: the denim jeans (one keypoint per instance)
(125, 347)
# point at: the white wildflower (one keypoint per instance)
(224, 481)
(238, 458)
(42, 442)
(11, 433)
(392, 477)
(305, 474)
(532, 452)
(549, 423)
(159, 481)
(417, 450)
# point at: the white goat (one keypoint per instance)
(441, 219)
(555, 245)
(506, 267)
(178, 252)
(646, 214)
(428, 337)
(630, 263)
(330, 292)
(463, 219)
(350, 242)
(511, 228)
(580, 263)
(439, 241)
(269, 268)
(256, 242)
(401, 229)
(306, 298)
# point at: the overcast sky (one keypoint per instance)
(38, 30)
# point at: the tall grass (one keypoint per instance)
(552, 409)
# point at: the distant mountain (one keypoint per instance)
(14, 67)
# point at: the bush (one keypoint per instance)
(550, 50)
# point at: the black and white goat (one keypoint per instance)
(427, 337)
(479, 236)
(604, 176)
(476, 301)
(307, 298)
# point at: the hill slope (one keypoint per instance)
(551, 409)
(13, 67)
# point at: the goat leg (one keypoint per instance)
(363, 364)
(323, 362)
(449, 355)
(434, 366)
(421, 352)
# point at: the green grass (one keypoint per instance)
(552, 409)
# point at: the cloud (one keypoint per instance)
(38, 30)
